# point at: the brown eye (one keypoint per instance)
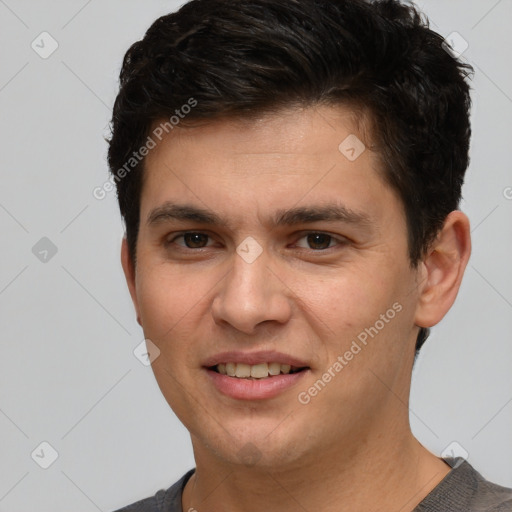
(195, 240)
(319, 241)
(192, 240)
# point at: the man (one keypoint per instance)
(289, 174)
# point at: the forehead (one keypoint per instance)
(266, 163)
(307, 132)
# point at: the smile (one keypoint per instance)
(255, 371)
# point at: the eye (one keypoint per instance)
(192, 240)
(319, 241)
(315, 241)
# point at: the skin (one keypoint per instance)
(350, 448)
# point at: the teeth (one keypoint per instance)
(274, 368)
(255, 371)
(231, 369)
(243, 370)
(259, 371)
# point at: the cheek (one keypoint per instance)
(166, 298)
(350, 298)
(363, 312)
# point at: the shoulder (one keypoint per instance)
(465, 490)
(490, 497)
(163, 501)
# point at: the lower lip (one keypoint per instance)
(254, 389)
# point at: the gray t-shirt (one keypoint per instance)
(462, 490)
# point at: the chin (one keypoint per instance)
(263, 444)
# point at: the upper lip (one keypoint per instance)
(251, 358)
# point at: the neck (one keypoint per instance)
(384, 472)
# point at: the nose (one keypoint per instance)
(251, 294)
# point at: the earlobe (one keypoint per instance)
(129, 274)
(443, 269)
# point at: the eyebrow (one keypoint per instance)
(170, 211)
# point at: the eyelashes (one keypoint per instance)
(316, 241)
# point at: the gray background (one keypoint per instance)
(68, 375)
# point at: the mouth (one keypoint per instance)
(255, 371)
(254, 376)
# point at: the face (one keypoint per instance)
(267, 252)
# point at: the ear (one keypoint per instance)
(129, 274)
(442, 270)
